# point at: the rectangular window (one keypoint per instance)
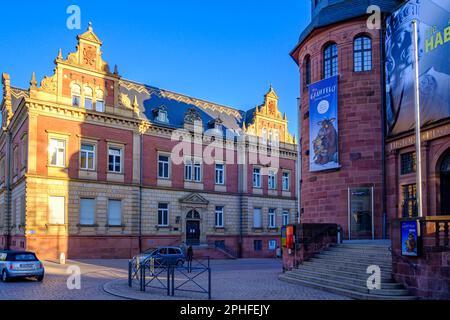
(286, 181)
(408, 163)
(219, 217)
(88, 103)
(15, 160)
(197, 172)
(272, 218)
(76, 101)
(163, 214)
(24, 152)
(409, 201)
(257, 245)
(285, 218)
(163, 167)
(257, 177)
(115, 160)
(57, 151)
(220, 169)
(114, 212)
(18, 211)
(57, 210)
(188, 170)
(87, 157)
(272, 180)
(100, 106)
(257, 218)
(87, 211)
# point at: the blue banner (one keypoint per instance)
(433, 24)
(323, 125)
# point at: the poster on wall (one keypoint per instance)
(410, 238)
(323, 125)
(433, 18)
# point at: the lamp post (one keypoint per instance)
(417, 121)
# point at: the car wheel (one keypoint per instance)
(180, 263)
(5, 277)
(40, 278)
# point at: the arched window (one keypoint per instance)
(307, 66)
(193, 214)
(99, 101)
(330, 60)
(264, 135)
(270, 137)
(88, 98)
(362, 54)
(76, 95)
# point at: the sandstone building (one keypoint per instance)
(90, 166)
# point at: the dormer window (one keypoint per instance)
(87, 98)
(76, 95)
(161, 115)
(99, 101)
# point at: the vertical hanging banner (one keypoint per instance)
(323, 125)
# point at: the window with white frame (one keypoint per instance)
(88, 98)
(188, 170)
(219, 217)
(163, 214)
(115, 159)
(286, 181)
(162, 116)
(272, 218)
(257, 218)
(272, 179)
(57, 150)
(87, 211)
(197, 171)
(163, 166)
(18, 211)
(87, 156)
(220, 173)
(56, 210)
(285, 217)
(114, 212)
(257, 177)
(99, 101)
(76, 95)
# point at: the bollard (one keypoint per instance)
(130, 274)
(168, 279)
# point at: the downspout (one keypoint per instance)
(8, 191)
(141, 156)
(299, 161)
(383, 129)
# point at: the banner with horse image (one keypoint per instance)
(323, 126)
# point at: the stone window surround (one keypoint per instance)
(289, 179)
(53, 135)
(116, 145)
(194, 161)
(66, 213)
(166, 154)
(93, 141)
(122, 225)
(224, 173)
(95, 95)
(216, 226)
(95, 224)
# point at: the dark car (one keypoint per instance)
(20, 264)
(164, 255)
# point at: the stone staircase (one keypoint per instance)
(207, 250)
(342, 269)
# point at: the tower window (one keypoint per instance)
(330, 61)
(76, 95)
(362, 54)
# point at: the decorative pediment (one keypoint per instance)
(194, 199)
(90, 36)
(191, 116)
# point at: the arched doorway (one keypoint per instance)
(445, 184)
(193, 227)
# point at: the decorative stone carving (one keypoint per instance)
(48, 84)
(191, 116)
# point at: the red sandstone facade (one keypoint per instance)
(51, 203)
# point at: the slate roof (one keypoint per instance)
(338, 11)
(152, 98)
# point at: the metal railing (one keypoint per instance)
(191, 276)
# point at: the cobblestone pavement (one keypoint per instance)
(248, 279)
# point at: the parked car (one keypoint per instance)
(20, 264)
(164, 255)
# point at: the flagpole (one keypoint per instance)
(417, 121)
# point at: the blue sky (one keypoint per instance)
(228, 52)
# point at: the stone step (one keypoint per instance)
(351, 279)
(385, 255)
(345, 292)
(349, 263)
(359, 274)
(344, 267)
(362, 260)
(354, 247)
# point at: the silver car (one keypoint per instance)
(20, 264)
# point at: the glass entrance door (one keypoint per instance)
(360, 213)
